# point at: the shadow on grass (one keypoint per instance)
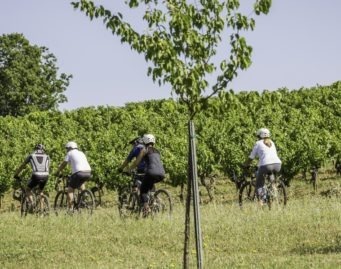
(303, 250)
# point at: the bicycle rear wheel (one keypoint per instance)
(86, 202)
(60, 202)
(25, 206)
(161, 203)
(42, 206)
(247, 195)
(277, 194)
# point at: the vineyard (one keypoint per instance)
(305, 124)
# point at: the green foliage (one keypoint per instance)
(29, 79)
(181, 40)
(305, 125)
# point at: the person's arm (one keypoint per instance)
(123, 165)
(247, 162)
(19, 169)
(131, 155)
(138, 159)
(61, 167)
(251, 157)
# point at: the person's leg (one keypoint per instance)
(73, 184)
(31, 184)
(260, 180)
(42, 184)
(146, 186)
(69, 197)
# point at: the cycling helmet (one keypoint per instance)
(148, 138)
(71, 145)
(39, 147)
(263, 133)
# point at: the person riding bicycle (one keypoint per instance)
(269, 161)
(138, 145)
(80, 167)
(154, 170)
(40, 163)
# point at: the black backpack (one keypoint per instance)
(154, 166)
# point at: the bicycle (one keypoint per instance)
(82, 200)
(98, 192)
(129, 203)
(247, 175)
(274, 192)
(39, 205)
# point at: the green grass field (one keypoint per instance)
(306, 234)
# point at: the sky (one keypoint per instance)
(298, 44)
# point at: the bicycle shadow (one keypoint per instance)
(304, 250)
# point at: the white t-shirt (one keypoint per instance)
(266, 155)
(78, 161)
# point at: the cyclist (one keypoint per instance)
(269, 161)
(138, 145)
(40, 163)
(154, 170)
(81, 170)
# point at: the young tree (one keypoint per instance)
(28, 77)
(181, 41)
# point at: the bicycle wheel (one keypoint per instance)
(128, 203)
(247, 194)
(60, 202)
(42, 206)
(97, 195)
(27, 205)
(161, 203)
(86, 202)
(277, 195)
(24, 206)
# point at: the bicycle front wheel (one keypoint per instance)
(86, 202)
(161, 203)
(97, 195)
(247, 195)
(60, 202)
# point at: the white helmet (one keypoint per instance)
(263, 133)
(71, 145)
(148, 138)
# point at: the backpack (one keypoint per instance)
(154, 166)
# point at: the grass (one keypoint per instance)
(306, 234)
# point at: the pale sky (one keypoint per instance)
(298, 44)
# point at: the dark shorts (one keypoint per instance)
(37, 180)
(77, 179)
(147, 185)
